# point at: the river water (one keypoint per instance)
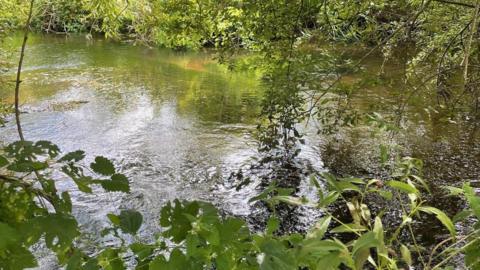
(178, 125)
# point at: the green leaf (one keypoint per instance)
(118, 182)
(462, 215)
(316, 248)
(27, 166)
(331, 261)
(73, 156)
(453, 191)
(441, 216)
(289, 200)
(404, 187)
(75, 261)
(103, 166)
(7, 236)
(320, 228)
(361, 248)
(349, 228)
(174, 218)
(130, 221)
(380, 236)
(51, 149)
(3, 161)
(386, 194)
(272, 225)
(176, 261)
(406, 255)
(83, 183)
(473, 200)
(60, 230)
(330, 198)
(276, 256)
(114, 219)
(109, 259)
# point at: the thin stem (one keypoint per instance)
(455, 253)
(19, 72)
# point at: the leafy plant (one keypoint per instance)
(33, 209)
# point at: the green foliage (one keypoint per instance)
(199, 237)
(194, 235)
(32, 209)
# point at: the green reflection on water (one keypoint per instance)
(193, 81)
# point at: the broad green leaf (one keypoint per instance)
(331, 261)
(404, 187)
(110, 259)
(7, 236)
(143, 255)
(118, 182)
(19, 258)
(75, 261)
(130, 221)
(361, 248)
(174, 218)
(441, 216)
(276, 256)
(60, 230)
(176, 261)
(103, 166)
(320, 228)
(316, 248)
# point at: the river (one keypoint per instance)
(178, 124)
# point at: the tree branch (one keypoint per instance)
(19, 72)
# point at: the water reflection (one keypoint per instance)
(175, 123)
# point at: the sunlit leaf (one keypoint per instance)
(406, 255)
(404, 187)
(320, 228)
(441, 216)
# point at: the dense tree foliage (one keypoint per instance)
(437, 41)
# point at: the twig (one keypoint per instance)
(19, 72)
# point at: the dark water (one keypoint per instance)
(179, 125)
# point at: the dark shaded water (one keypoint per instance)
(179, 125)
